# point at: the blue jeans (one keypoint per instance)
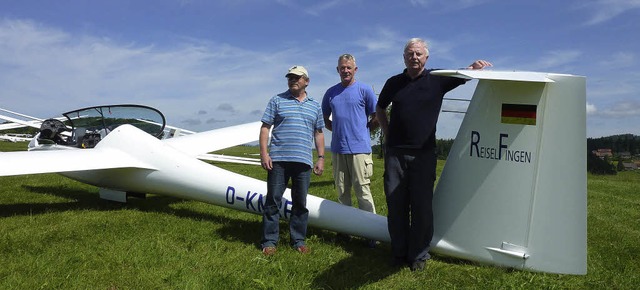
(409, 176)
(274, 207)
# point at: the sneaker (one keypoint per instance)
(303, 249)
(417, 265)
(269, 251)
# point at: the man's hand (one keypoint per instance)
(479, 64)
(266, 162)
(319, 168)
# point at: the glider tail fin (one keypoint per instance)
(513, 191)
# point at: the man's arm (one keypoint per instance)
(373, 122)
(265, 159)
(319, 138)
(327, 122)
(381, 117)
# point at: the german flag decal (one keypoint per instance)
(518, 114)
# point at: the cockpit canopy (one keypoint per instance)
(89, 125)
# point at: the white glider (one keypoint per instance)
(507, 195)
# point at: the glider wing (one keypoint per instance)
(213, 140)
(496, 75)
(59, 161)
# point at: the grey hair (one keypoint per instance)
(419, 41)
(347, 57)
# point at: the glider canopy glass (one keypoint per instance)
(108, 118)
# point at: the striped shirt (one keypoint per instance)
(294, 124)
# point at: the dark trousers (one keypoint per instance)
(409, 175)
(277, 180)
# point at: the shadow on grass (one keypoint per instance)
(90, 200)
(453, 261)
(320, 183)
(363, 266)
(81, 200)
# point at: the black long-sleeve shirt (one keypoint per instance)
(416, 106)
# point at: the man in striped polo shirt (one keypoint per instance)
(297, 122)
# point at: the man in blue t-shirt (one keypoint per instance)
(347, 108)
(297, 122)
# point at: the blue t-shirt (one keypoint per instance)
(350, 107)
(294, 124)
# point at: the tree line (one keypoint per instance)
(617, 143)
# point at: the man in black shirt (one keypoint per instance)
(410, 158)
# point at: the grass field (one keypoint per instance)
(55, 233)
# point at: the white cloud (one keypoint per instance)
(620, 60)
(382, 39)
(214, 121)
(448, 5)
(616, 117)
(554, 59)
(191, 122)
(315, 8)
(591, 109)
(225, 107)
(46, 71)
(605, 10)
(623, 109)
(423, 3)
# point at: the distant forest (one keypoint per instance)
(617, 143)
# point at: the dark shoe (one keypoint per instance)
(417, 265)
(372, 244)
(303, 249)
(269, 251)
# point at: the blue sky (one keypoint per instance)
(211, 64)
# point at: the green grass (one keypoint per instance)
(55, 233)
